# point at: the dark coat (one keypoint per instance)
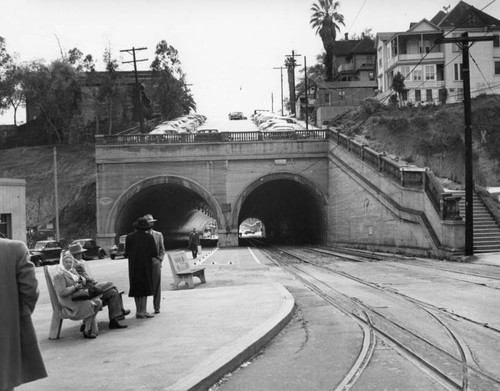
(194, 240)
(140, 249)
(20, 358)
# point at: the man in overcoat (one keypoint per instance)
(194, 241)
(157, 263)
(140, 249)
(20, 358)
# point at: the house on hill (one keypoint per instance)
(429, 67)
(354, 80)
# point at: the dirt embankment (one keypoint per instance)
(431, 136)
(76, 177)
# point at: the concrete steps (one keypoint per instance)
(486, 231)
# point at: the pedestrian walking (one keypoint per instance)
(194, 241)
(140, 249)
(157, 263)
(20, 358)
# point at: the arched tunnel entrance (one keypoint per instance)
(289, 211)
(177, 208)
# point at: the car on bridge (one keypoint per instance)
(45, 252)
(236, 115)
(118, 249)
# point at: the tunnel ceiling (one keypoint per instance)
(288, 211)
(178, 210)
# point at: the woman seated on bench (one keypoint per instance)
(66, 282)
(110, 295)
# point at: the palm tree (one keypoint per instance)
(325, 19)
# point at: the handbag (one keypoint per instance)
(82, 294)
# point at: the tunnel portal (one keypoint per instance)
(177, 209)
(288, 210)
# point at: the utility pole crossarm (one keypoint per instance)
(463, 39)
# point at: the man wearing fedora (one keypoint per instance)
(140, 249)
(157, 262)
(110, 296)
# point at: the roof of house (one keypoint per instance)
(464, 15)
(354, 46)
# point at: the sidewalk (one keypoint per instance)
(200, 335)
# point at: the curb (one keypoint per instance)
(230, 357)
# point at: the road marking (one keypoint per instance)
(253, 255)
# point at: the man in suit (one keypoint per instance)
(157, 263)
(20, 357)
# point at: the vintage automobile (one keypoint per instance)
(119, 249)
(236, 115)
(93, 250)
(45, 252)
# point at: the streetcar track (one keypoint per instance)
(463, 361)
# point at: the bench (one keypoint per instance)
(182, 270)
(58, 311)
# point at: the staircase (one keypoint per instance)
(486, 234)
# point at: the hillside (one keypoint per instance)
(76, 186)
(431, 136)
(425, 136)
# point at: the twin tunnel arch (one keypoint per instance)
(290, 207)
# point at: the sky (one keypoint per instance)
(227, 48)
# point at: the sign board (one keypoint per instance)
(180, 261)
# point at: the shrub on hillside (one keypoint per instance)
(420, 123)
(395, 125)
(369, 106)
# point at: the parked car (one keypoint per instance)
(45, 252)
(93, 250)
(118, 249)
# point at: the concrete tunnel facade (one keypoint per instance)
(289, 206)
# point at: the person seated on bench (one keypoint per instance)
(110, 294)
(66, 282)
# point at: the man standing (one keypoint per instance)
(157, 262)
(110, 295)
(194, 241)
(140, 249)
(20, 357)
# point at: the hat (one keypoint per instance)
(149, 218)
(76, 248)
(142, 223)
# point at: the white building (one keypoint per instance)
(429, 66)
(13, 208)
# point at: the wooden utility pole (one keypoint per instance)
(56, 195)
(281, 71)
(306, 88)
(138, 90)
(464, 41)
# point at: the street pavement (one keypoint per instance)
(200, 335)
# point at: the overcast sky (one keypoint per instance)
(228, 48)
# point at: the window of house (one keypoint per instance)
(418, 96)
(497, 67)
(460, 94)
(417, 75)
(458, 71)
(496, 41)
(341, 94)
(404, 95)
(326, 98)
(430, 74)
(428, 95)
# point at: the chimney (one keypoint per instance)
(346, 35)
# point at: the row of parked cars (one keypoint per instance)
(188, 123)
(47, 252)
(267, 121)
